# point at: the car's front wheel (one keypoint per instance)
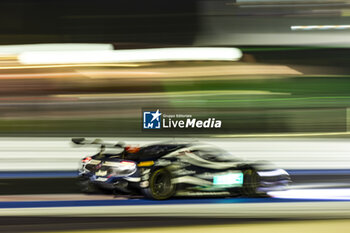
(160, 185)
(251, 181)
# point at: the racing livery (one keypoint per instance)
(163, 170)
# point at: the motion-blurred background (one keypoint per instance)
(287, 81)
(78, 68)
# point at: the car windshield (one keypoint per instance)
(215, 155)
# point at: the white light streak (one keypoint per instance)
(329, 194)
(132, 55)
(18, 49)
(320, 27)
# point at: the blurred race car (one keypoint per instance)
(166, 169)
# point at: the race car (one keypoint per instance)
(168, 169)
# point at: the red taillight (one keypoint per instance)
(132, 149)
(87, 159)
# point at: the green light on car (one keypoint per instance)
(231, 179)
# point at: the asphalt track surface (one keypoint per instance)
(70, 212)
(45, 213)
(47, 224)
(75, 211)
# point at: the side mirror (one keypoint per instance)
(78, 140)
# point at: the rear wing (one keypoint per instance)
(96, 142)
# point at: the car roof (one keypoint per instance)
(157, 150)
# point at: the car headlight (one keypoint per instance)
(277, 172)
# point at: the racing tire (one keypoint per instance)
(160, 185)
(251, 180)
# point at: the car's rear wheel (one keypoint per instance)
(160, 185)
(251, 180)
